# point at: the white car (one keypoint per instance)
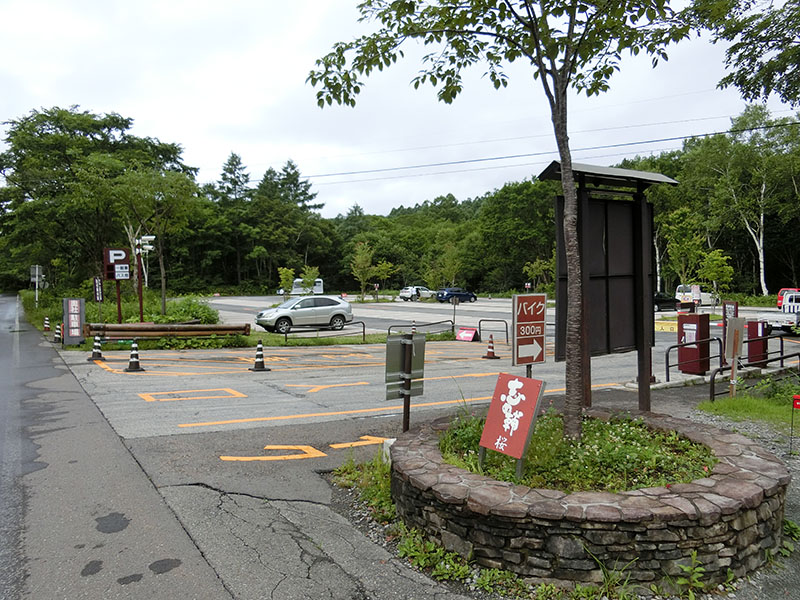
(320, 311)
(415, 292)
(685, 293)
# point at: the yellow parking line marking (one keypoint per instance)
(331, 414)
(366, 440)
(317, 388)
(361, 410)
(151, 397)
(305, 452)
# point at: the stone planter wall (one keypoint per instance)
(730, 518)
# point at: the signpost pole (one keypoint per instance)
(139, 279)
(119, 303)
(408, 354)
(734, 362)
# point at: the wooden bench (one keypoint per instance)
(127, 331)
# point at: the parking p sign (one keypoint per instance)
(529, 329)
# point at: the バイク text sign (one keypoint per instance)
(529, 328)
(512, 413)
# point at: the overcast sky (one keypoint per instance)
(221, 77)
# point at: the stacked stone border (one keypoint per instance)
(732, 518)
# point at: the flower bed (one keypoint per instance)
(730, 518)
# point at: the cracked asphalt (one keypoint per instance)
(158, 515)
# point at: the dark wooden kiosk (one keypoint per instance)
(615, 234)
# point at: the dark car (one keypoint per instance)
(664, 301)
(447, 295)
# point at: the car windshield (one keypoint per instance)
(289, 303)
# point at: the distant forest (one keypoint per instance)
(77, 182)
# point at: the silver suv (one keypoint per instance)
(320, 311)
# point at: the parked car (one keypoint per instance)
(663, 301)
(319, 311)
(782, 292)
(684, 293)
(415, 292)
(447, 294)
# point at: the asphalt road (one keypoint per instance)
(199, 478)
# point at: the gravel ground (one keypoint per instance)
(779, 581)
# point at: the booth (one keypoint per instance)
(693, 330)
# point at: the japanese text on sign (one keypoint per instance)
(529, 329)
(512, 413)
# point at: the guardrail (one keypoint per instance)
(670, 348)
(492, 321)
(712, 393)
(126, 331)
(406, 327)
(309, 328)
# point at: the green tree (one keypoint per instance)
(60, 169)
(383, 270)
(309, 275)
(361, 266)
(571, 44)
(286, 278)
(685, 247)
(715, 270)
(156, 202)
(741, 174)
(763, 53)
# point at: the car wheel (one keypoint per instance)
(405, 299)
(337, 322)
(282, 325)
(473, 298)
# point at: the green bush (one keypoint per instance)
(613, 456)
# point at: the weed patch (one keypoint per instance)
(612, 456)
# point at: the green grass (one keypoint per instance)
(769, 401)
(613, 456)
(373, 483)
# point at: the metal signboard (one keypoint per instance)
(734, 338)
(515, 405)
(395, 363)
(528, 324)
(122, 271)
(114, 259)
(36, 274)
(98, 289)
(74, 317)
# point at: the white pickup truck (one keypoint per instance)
(788, 318)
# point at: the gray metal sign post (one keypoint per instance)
(405, 366)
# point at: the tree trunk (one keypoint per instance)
(575, 366)
(163, 272)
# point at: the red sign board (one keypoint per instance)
(512, 413)
(467, 334)
(529, 333)
(796, 401)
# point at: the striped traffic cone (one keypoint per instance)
(97, 353)
(47, 323)
(259, 364)
(57, 335)
(413, 327)
(133, 363)
(490, 351)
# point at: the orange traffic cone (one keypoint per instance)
(490, 351)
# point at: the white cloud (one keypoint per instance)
(230, 77)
